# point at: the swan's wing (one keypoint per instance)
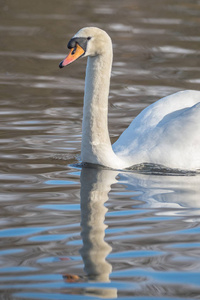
(149, 118)
(167, 131)
(178, 140)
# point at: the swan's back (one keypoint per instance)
(166, 132)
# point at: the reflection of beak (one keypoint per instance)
(71, 278)
(73, 55)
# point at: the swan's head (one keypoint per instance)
(89, 41)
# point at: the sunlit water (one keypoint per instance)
(72, 232)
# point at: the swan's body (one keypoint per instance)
(166, 132)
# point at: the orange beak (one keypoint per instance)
(73, 55)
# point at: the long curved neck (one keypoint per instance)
(96, 146)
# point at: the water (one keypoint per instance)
(69, 232)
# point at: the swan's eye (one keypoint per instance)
(89, 38)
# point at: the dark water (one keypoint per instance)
(83, 233)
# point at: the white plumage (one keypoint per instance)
(166, 132)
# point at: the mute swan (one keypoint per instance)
(167, 132)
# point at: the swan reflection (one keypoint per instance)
(179, 192)
(173, 191)
(95, 186)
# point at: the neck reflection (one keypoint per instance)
(95, 186)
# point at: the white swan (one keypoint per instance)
(166, 132)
